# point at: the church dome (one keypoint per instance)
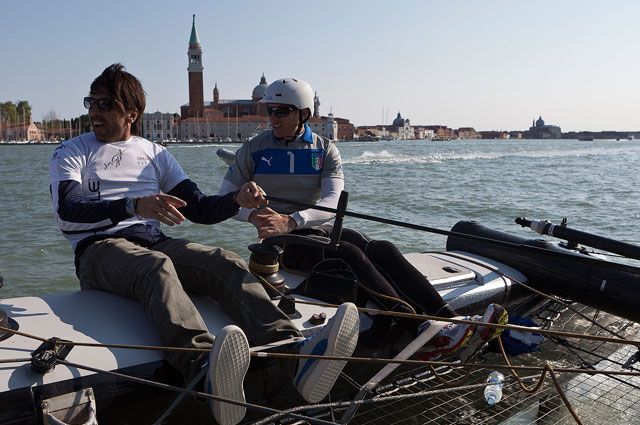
(258, 91)
(398, 122)
(540, 122)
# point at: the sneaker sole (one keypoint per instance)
(230, 363)
(342, 341)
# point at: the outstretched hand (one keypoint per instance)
(270, 223)
(161, 207)
(251, 195)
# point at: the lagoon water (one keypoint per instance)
(436, 184)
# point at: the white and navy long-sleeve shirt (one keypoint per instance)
(91, 180)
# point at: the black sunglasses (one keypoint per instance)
(104, 104)
(280, 111)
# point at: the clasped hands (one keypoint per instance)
(164, 207)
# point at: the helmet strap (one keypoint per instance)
(301, 122)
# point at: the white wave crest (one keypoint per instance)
(386, 157)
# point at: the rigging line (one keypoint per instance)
(257, 407)
(471, 260)
(513, 372)
(521, 247)
(26, 335)
(368, 290)
(424, 317)
(361, 309)
(443, 363)
(386, 399)
(535, 388)
(364, 359)
(562, 394)
(573, 348)
(535, 291)
(23, 360)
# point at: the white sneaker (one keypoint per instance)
(315, 378)
(228, 364)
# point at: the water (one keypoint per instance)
(434, 184)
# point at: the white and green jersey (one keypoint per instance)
(308, 169)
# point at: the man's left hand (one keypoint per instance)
(270, 223)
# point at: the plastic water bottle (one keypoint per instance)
(493, 390)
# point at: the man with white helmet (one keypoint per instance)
(289, 161)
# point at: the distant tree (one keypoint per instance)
(82, 122)
(50, 116)
(24, 111)
(8, 112)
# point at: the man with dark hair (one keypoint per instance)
(110, 192)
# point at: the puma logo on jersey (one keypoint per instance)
(268, 161)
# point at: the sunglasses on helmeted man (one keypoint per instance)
(104, 104)
(280, 111)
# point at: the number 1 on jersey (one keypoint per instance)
(292, 162)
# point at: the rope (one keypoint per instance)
(562, 394)
(370, 291)
(259, 408)
(23, 360)
(361, 359)
(257, 268)
(424, 317)
(535, 291)
(385, 399)
(530, 248)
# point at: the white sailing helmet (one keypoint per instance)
(290, 91)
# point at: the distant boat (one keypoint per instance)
(586, 139)
(368, 139)
(630, 137)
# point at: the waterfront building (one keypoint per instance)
(160, 126)
(236, 120)
(495, 134)
(422, 132)
(441, 132)
(401, 128)
(26, 131)
(372, 132)
(467, 133)
(540, 130)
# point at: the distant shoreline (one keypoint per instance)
(629, 138)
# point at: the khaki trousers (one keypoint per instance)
(160, 278)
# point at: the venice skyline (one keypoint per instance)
(490, 66)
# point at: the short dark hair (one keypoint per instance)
(123, 87)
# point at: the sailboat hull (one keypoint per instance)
(568, 274)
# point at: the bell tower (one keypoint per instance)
(216, 95)
(196, 88)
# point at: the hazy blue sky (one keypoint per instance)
(484, 64)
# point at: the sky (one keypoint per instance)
(490, 65)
